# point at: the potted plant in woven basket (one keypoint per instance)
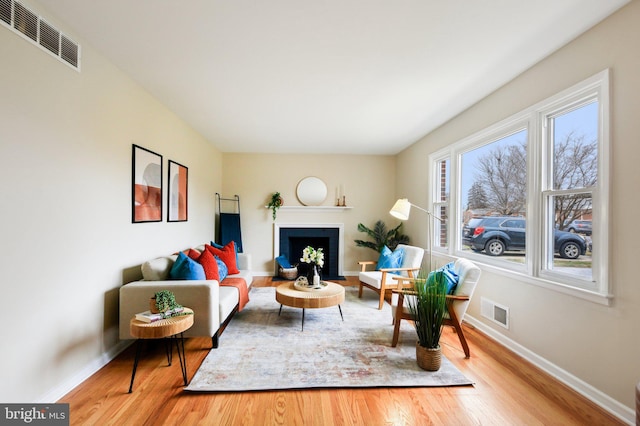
(427, 303)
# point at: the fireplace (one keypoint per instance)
(291, 239)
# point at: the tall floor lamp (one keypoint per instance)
(401, 210)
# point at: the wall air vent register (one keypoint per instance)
(18, 18)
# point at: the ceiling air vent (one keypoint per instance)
(34, 28)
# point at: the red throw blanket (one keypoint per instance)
(241, 285)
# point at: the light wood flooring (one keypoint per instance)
(507, 391)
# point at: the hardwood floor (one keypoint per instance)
(507, 391)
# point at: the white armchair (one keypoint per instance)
(382, 281)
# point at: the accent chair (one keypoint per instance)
(457, 303)
(381, 281)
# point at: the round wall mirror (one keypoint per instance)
(311, 191)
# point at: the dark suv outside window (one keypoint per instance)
(495, 235)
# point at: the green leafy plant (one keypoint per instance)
(275, 203)
(166, 300)
(382, 236)
(428, 307)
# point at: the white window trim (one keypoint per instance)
(531, 119)
(435, 178)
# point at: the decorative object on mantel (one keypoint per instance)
(275, 203)
(341, 198)
(381, 237)
(311, 191)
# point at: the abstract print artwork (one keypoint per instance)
(147, 186)
(178, 180)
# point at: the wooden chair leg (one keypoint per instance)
(381, 298)
(396, 332)
(360, 291)
(463, 340)
(455, 321)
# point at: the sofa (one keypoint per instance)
(213, 304)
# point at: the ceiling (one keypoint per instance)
(324, 76)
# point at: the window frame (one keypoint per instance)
(534, 119)
(437, 203)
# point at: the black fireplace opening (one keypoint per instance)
(294, 240)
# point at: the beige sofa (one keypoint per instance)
(213, 305)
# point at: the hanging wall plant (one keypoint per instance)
(275, 203)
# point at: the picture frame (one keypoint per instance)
(146, 189)
(177, 194)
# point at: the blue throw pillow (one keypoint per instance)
(390, 259)
(450, 276)
(185, 268)
(283, 261)
(223, 271)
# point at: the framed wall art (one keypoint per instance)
(146, 202)
(178, 196)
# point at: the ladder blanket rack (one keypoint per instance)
(229, 222)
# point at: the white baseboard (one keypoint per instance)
(603, 400)
(53, 395)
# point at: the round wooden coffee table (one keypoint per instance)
(331, 295)
(170, 327)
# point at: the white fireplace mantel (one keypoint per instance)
(314, 208)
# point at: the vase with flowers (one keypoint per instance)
(314, 260)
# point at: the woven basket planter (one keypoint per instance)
(288, 273)
(428, 359)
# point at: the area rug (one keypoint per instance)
(261, 350)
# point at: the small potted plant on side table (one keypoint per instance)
(164, 302)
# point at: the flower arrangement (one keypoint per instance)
(311, 255)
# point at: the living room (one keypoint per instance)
(69, 243)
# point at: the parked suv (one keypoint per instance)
(580, 226)
(495, 235)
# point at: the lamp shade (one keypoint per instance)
(401, 209)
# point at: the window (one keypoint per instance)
(572, 176)
(440, 204)
(493, 182)
(528, 195)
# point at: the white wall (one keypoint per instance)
(67, 241)
(369, 185)
(596, 346)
